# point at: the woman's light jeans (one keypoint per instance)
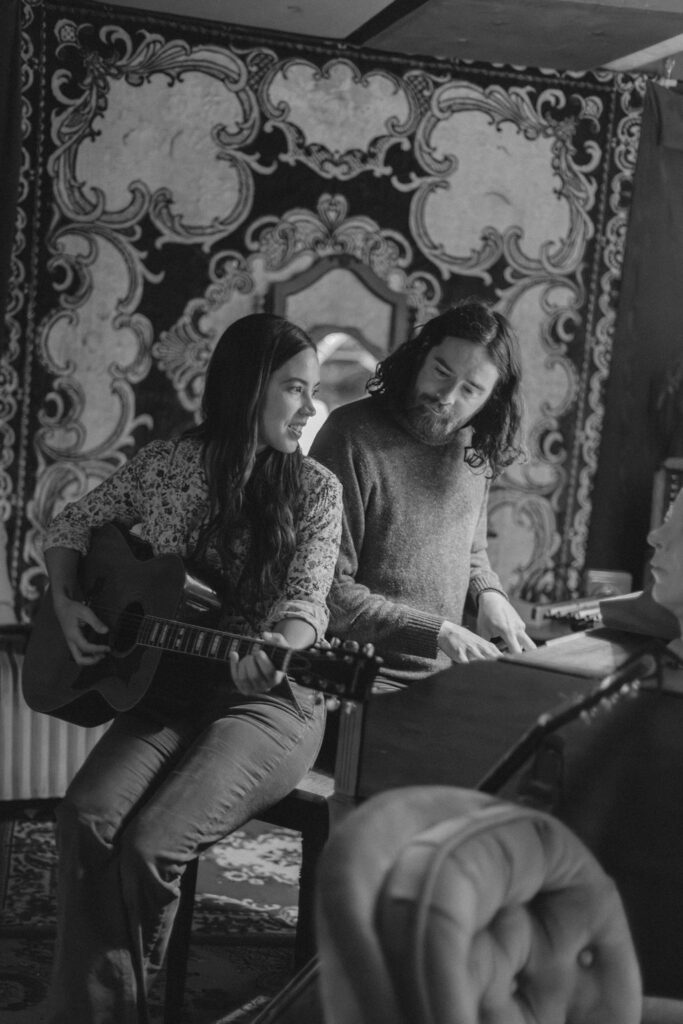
(164, 783)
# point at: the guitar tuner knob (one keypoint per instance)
(368, 650)
(335, 642)
(350, 647)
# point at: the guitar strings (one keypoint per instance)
(188, 639)
(294, 657)
(135, 619)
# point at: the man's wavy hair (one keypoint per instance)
(496, 427)
(262, 490)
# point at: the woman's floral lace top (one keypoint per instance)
(163, 492)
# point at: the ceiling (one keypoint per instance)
(575, 35)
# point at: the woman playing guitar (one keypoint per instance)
(194, 758)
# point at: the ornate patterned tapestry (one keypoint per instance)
(178, 174)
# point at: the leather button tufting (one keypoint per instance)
(587, 957)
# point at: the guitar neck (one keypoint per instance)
(341, 671)
(212, 644)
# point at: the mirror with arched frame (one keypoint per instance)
(353, 316)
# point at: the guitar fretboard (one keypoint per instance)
(214, 644)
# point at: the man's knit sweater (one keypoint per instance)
(413, 535)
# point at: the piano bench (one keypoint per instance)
(304, 810)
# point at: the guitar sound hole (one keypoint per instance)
(124, 635)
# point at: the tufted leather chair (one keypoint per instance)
(439, 905)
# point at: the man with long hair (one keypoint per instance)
(416, 460)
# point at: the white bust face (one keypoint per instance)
(667, 560)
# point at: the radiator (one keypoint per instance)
(39, 755)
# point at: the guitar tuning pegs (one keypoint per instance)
(332, 703)
(369, 650)
(350, 647)
(335, 642)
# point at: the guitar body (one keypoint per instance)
(120, 588)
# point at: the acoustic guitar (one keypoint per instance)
(153, 605)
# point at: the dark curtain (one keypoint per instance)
(644, 402)
(10, 143)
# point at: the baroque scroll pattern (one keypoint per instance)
(173, 173)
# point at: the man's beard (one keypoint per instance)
(434, 425)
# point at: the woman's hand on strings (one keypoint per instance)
(86, 636)
(255, 673)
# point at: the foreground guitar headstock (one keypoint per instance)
(342, 670)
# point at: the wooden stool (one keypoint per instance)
(305, 810)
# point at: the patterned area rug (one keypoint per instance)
(243, 929)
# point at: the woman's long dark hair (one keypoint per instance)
(262, 489)
(496, 427)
